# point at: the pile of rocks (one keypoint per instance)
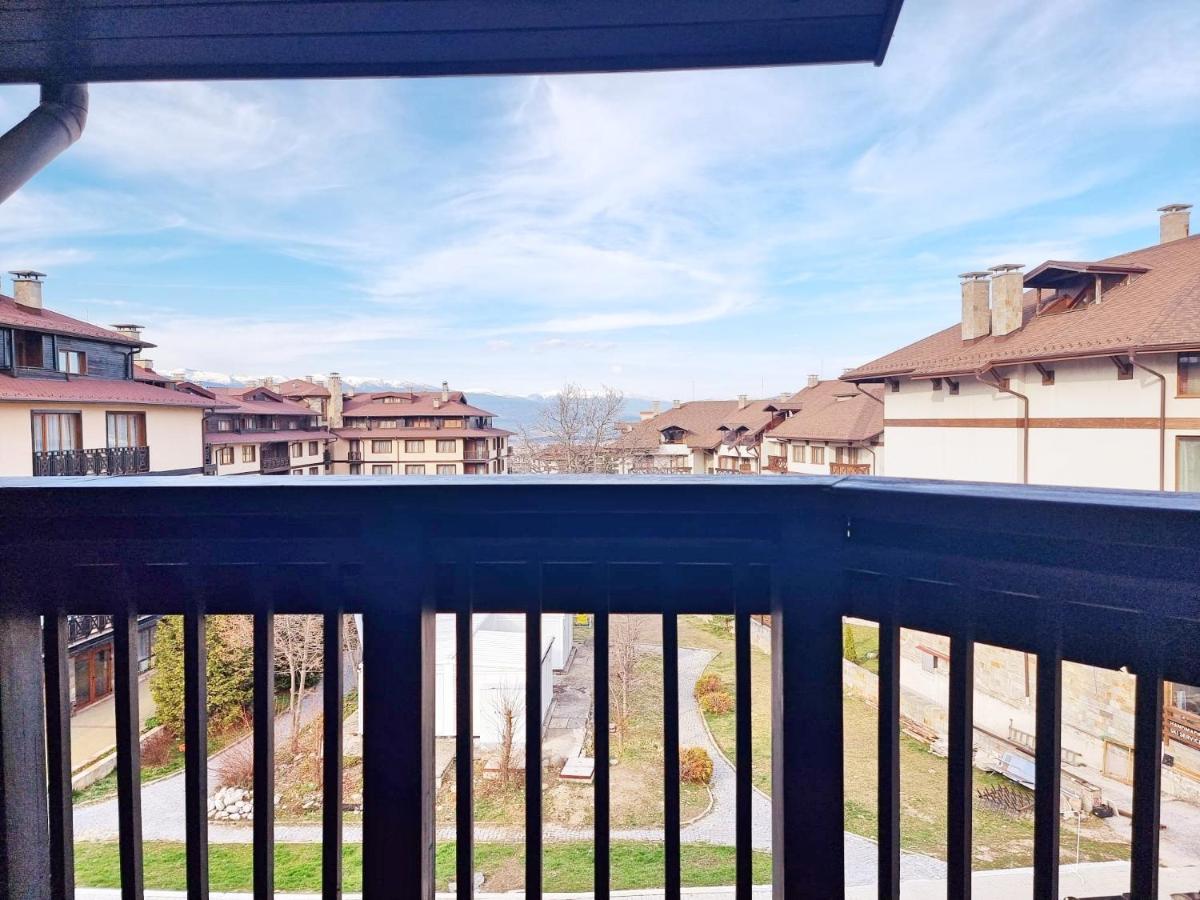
(232, 804)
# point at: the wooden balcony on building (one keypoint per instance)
(97, 461)
(841, 468)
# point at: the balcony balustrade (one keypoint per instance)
(1103, 578)
(841, 468)
(98, 461)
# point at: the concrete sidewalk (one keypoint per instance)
(94, 728)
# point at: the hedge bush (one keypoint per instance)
(230, 680)
(707, 684)
(695, 765)
(717, 702)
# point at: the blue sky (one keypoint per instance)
(673, 235)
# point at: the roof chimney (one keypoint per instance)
(144, 363)
(1173, 223)
(445, 392)
(27, 288)
(814, 380)
(1008, 290)
(743, 401)
(976, 316)
(333, 410)
(676, 403)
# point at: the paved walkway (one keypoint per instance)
(94, 728)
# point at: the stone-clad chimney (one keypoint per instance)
(1173, 224)
(445, 392)
(1008, 290)
(743, 401)
(814, 380)
(333, 412)
(976, 314)
(27, 288)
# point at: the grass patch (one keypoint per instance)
(865, 640)
(567, 867)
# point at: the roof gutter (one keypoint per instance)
(53, 126)
(1162, 418)
(858, 387)
(999, 386)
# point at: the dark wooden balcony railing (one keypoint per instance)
(477, 453)
(1103, 578)
(841, 468)
(98, 461)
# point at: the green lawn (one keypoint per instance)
(866, 645)
(567, 867)
(1001, 841)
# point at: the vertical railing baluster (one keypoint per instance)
(1048, 754)
(888, 786)
(1147, 769)
(533, 738)
(195, 742)
(743, 787)
(128, 721)
(331, 764)
(603, 770)
(464, 731)
(671, 820)
(959, 831)
(58, 756)
(264, 750)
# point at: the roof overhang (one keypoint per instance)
(1053, 273)
(171, 40)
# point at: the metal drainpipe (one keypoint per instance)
(872, 452)
(880, 401)
(53, 126)
(1025, 426)
(1162, 419)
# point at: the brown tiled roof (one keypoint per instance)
(265, 437)
(97, 390)
(833, 411)
(149, 375)
(300, 387)
(239, 398)
(702, 420)
(415, 403)
(14, 315)
(1158, 310)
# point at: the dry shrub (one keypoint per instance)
(717, 702)
(156, 749)
(707, 684)
(236, 766)
(695, 765)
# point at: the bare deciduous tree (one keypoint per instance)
(625, 652)
(508, 708)
(573, 433)
(299, 648)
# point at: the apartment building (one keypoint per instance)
(414, 433)
(259, 432)
(703, 437)
(829, 428)
(1079, 373)
(312, 392)
(73, 400)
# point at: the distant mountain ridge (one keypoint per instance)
(513, 411)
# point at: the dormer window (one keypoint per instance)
(73, 362)
(28, 346)
(672, 435)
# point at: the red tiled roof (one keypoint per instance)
(82, 389)
(413, 434)
(416, 403)
(833, 411)
(275, 406)
(1158, 310)
(143, 374)
(265, 437)
(702, 420)
(300, 387)
(14, 315)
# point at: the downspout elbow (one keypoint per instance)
(979, 373)
(54, 125)
(1162, 418)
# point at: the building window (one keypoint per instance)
(385, 423)
(843, 454)
(249, 453)
(313, 448)
(28, 345)
(1189, 464)
(420, 423)
(414, 446)
(73, 362)
(381, 446)
(446, 446)
(818, 456)
(446, 469)
(314, 470)
(452, 423)
(417, 469)
(126, 429)
(225, 456)
(798, 453)
(1189, 374)
(296, 472)
(381, 470)
(355, 468)
(224, 425)
(57, 431)
(297, 450)
(145, 649)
